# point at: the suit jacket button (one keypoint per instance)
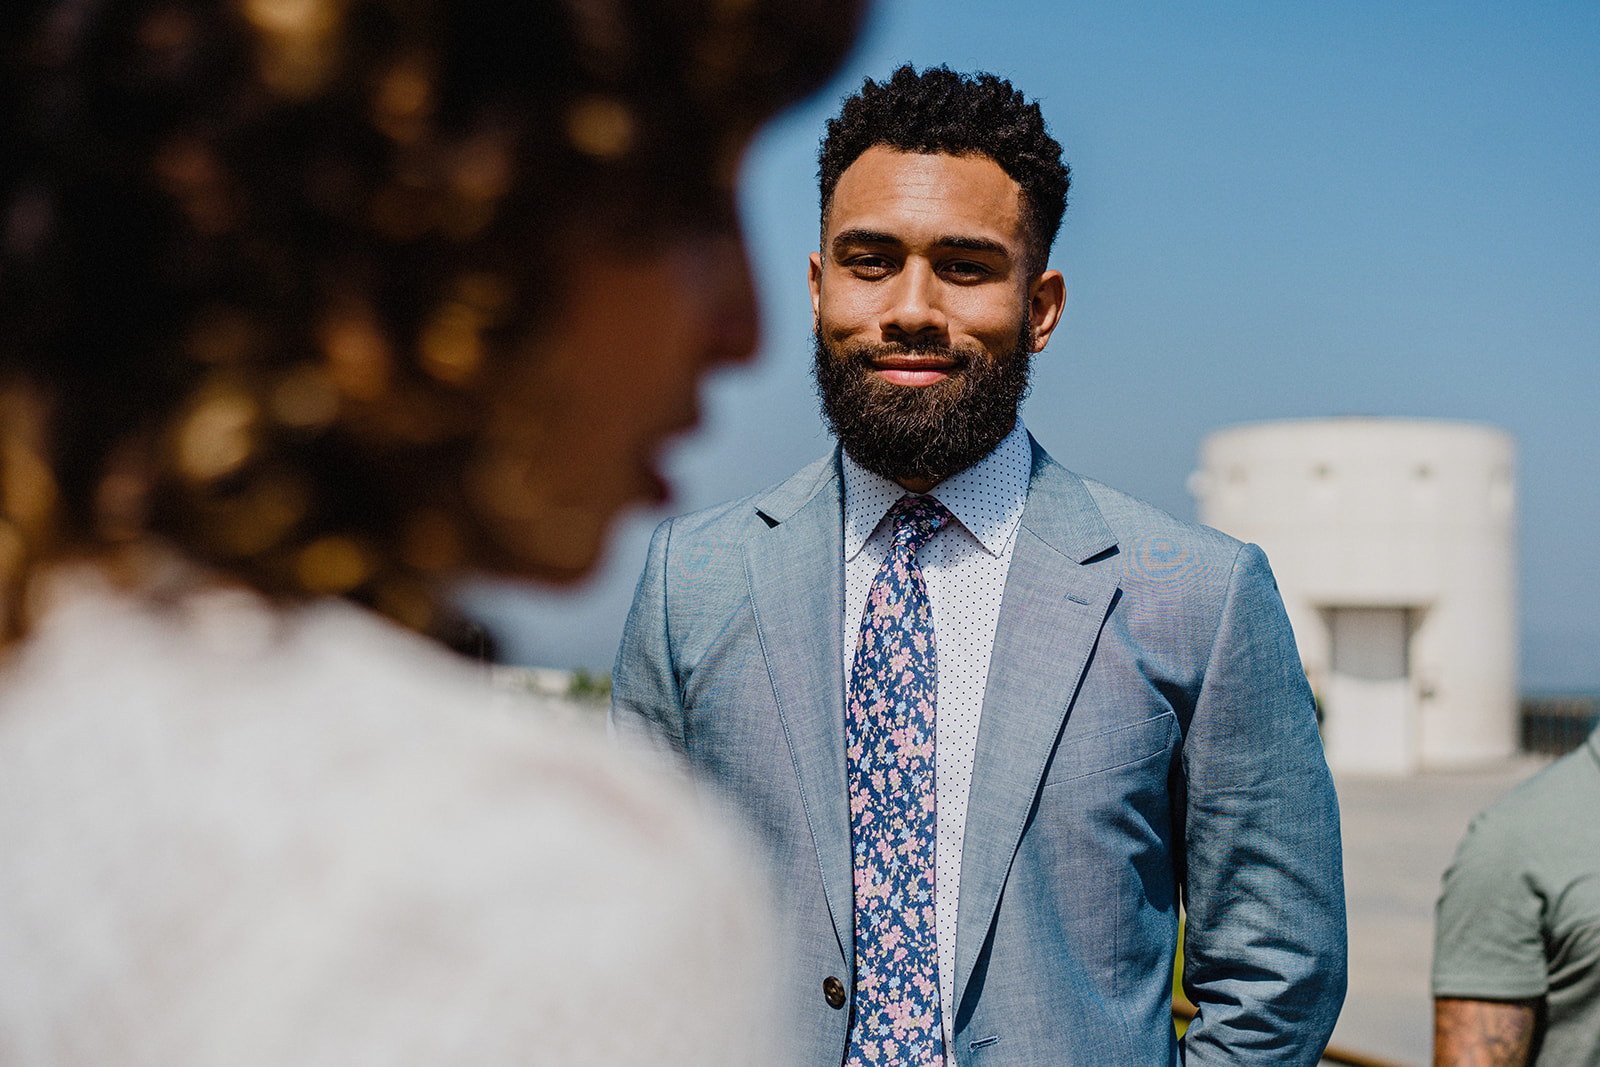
(833, 991)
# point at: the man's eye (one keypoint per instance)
(869, 266)
(965, 268)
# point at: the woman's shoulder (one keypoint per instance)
(318, 831)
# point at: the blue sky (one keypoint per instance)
(1278, 210)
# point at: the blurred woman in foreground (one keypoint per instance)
(307, 306)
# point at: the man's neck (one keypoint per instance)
(919, 485)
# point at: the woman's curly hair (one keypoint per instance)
(260, 260)
(940, 110)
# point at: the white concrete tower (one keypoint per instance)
(1394, 545)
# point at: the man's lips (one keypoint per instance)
(913, 370)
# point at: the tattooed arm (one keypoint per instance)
(1482, 1033)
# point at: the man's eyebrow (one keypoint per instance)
(972, 244)
(863, 237)
(845, 238)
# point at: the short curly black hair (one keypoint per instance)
(941, 110)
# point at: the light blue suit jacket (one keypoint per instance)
(1147, 736)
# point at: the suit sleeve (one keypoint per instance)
(1265, 942)
(646, 716)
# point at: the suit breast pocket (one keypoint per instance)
(1077, 758)
(1096, 858)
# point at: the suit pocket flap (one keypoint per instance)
(1080, 757)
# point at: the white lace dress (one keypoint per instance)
(237, 835)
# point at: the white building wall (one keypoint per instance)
(1415, 516)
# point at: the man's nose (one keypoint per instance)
(914, 309)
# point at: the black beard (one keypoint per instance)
(921, 433)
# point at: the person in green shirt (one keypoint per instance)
(1516, 967)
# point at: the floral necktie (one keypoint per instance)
(889, 720)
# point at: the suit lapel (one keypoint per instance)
(796, 591)
(1050, 617)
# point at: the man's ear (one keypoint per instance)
(814, 277)
(1047, 299)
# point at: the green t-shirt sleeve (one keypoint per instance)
(1488, 940)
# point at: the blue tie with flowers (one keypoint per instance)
(889, 721)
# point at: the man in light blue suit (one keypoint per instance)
(1122, 725)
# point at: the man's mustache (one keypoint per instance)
(868, 351)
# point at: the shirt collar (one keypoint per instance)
(987, 498)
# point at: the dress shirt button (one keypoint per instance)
(833, 991)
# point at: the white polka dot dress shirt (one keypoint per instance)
(964, 566)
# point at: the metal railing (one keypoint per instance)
(1555, 724)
